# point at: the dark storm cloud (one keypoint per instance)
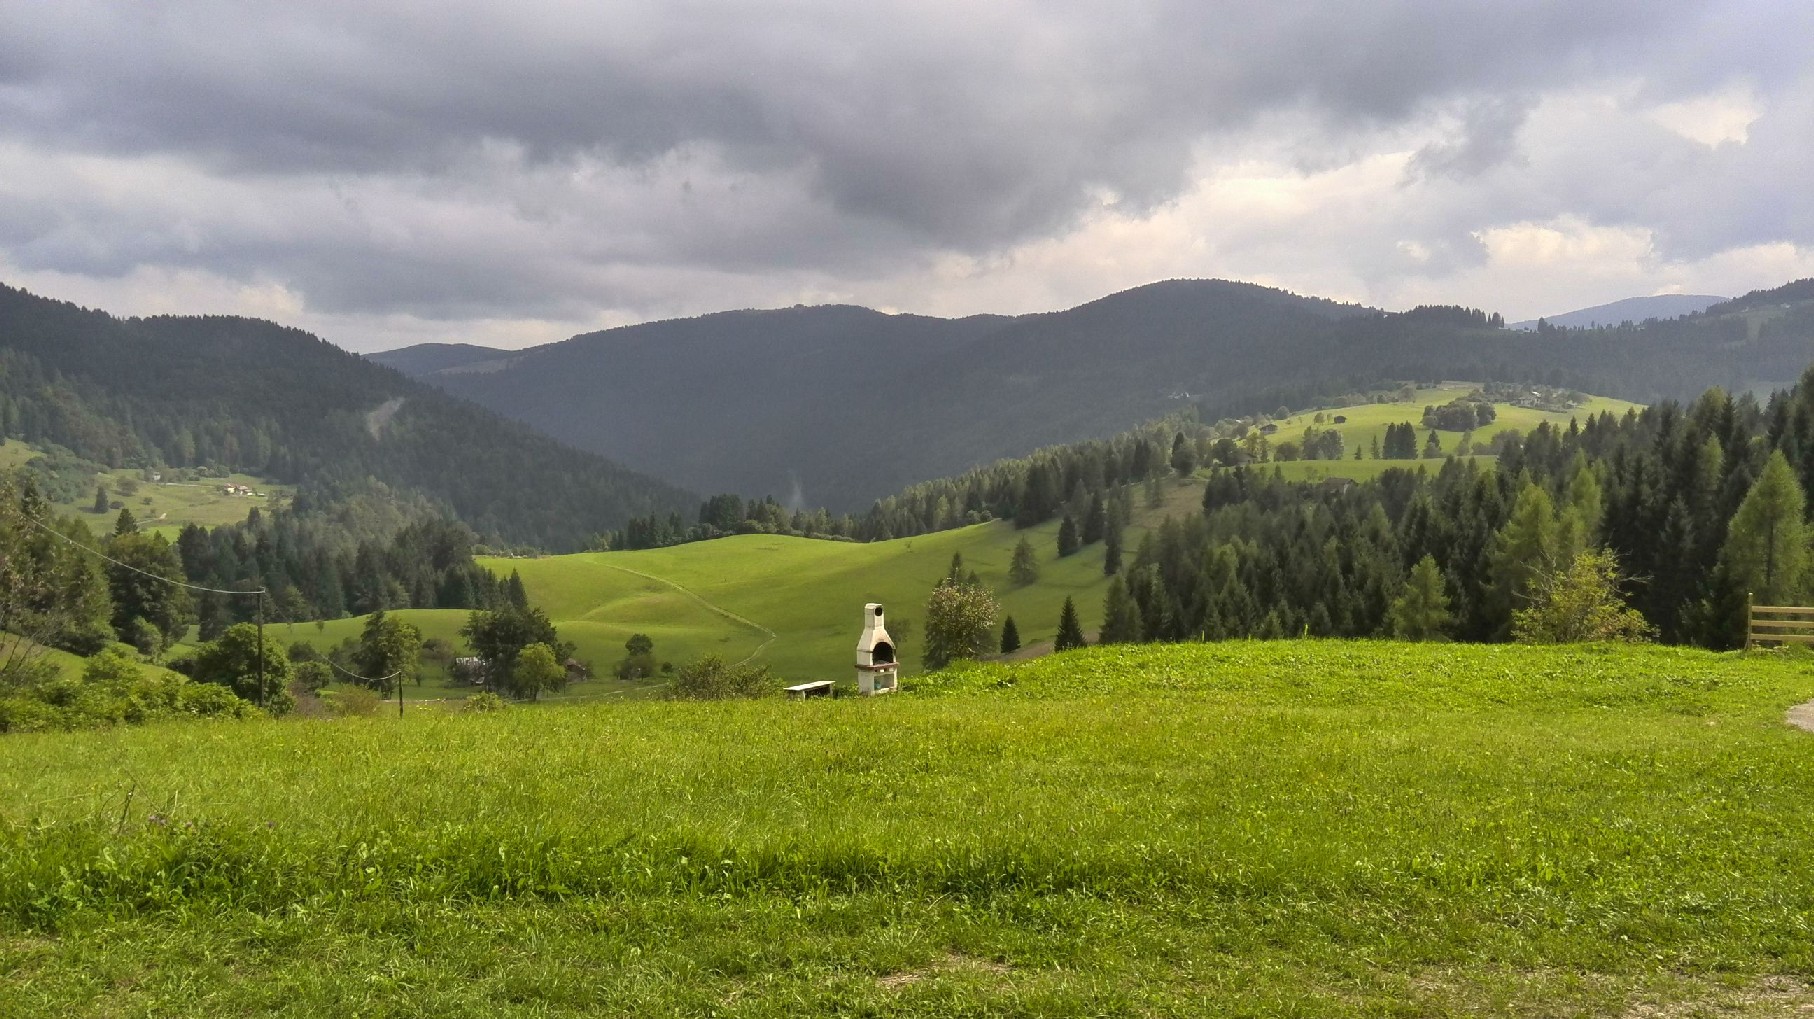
(735, 137)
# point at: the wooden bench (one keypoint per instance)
(821, 688)
(1784, 624)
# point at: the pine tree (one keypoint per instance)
(1184, 456)
(1070, 632)
(1023, 568)
(1120, 616)
(1010, 636)
(1421, 612)
(1067, 537)
(1095, 521)
(100, 499)
(515, 593)
(955, 575)
(125, 523)
(1111, 551)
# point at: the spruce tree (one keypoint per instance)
(1184, 456)
(1070, 632)
(1067, 537)
(1023, 568)
(100, 498)
(1120, 616)
(1095, 520)
(1111, 552)
(125, 523)
(1010, 636)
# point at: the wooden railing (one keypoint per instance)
(1784, 624)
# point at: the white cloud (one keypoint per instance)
(1715, 119)
(514, 175)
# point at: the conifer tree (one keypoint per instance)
(125, 523)
(1070, 632)
(955, 575)
(1766, 550)
(1184, 456)
(1095, 520)
(1023, 568)
(1120, 616)
(1067, 537)
(100, 499)
(1522, 549)
(1111, 551)
(1421, 611)
(1010, 636)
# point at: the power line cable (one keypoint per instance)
(97, 553)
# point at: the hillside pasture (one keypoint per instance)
(1326, 828)
(729, 595)
(1366, 423)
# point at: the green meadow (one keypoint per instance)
(163, 507)
(1366, 423)
(793, 604)
(1294, 828)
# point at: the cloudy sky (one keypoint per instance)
(390, 173)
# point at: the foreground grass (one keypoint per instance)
(1294, 828)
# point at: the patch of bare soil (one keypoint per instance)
(948, 964)
(1770, 996)
(1801, 716)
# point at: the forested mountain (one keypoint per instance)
(257, 397)
(839, 406)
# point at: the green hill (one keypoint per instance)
(794, 603)
(1310, 828)
(255, 398)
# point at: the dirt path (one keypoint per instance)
(771, 635)
(1801, 716)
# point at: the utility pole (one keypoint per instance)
(261, 647)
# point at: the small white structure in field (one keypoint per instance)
(877, 671)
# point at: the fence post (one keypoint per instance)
(1750, 619)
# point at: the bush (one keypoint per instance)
(483, 702)
(710, 679)
(352, 702)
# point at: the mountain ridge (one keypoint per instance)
(840, 405)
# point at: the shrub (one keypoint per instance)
(484, 701)
(352, 701)
(710, 679)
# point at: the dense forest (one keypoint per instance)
(250, 396)
(1685, 511)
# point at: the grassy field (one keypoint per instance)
(1367, 422)
(165, 508)
(1298, 828)
(793, 604)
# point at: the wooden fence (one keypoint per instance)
(1784, 624)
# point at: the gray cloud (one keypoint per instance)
(475, 160)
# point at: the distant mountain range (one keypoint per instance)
(1631, 309)
(839, 406)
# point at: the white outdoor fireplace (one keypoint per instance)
(877, 670)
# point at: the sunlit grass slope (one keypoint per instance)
(729, 596)
(1367, 422)
(1307, 828)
